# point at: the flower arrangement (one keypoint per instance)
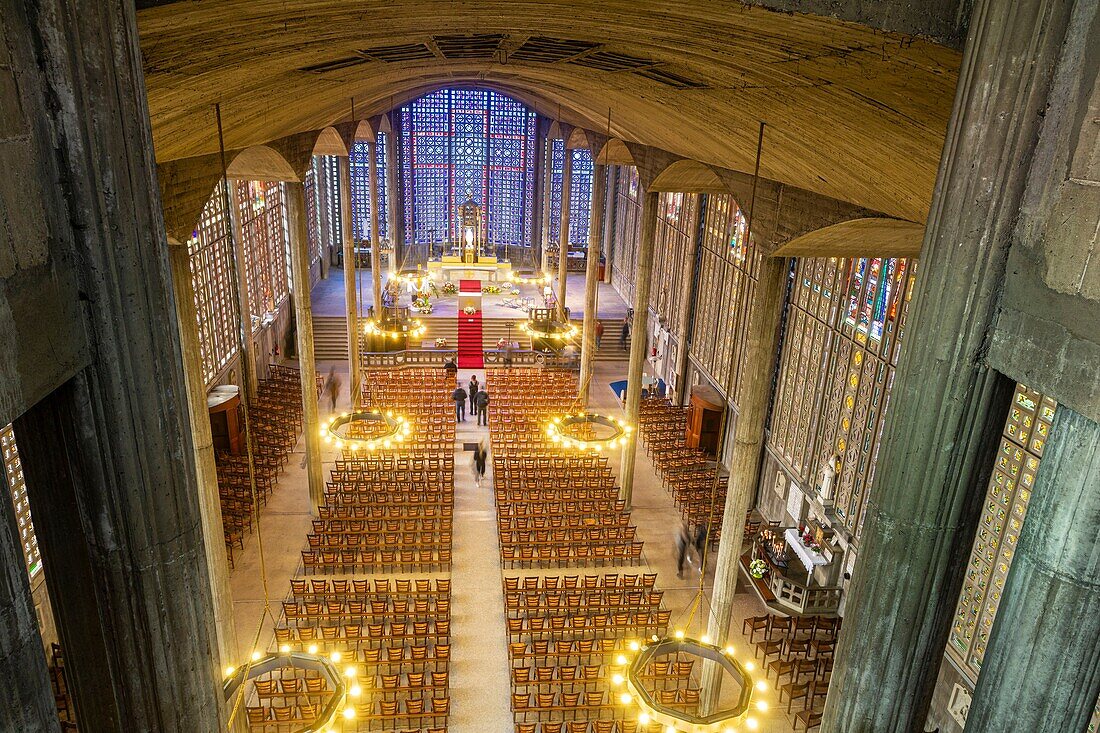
(441, 343)
(491, 289)
(810, 542)
(469, 310)
(422, 304)
(758, 568)
(448, 288)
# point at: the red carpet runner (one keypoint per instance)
(470, 339)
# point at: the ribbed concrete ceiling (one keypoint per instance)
(852, 112)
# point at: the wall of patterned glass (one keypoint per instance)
(360, 189)
(844, 328)
(677, 219)
(210, 250)
(580, 194)
(460, 145)
(13, 469)
(264, 236)
(727, 273)
(1025, 434)
(627, 224)
(322, 187)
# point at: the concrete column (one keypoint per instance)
(547, 179)
(687, 303)
(106, 450)
(609, 217)
(26, 699)
(753, 392)
(592, 282)
(638, 339)
(248, 353)
(393, 200)
(1041, 670)
(563, 230)
(206, 473)
(351, 295)
(303, 311)
(947, 407)
(375, 239)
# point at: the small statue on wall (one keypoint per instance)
(827, 476)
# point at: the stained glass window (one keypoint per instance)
(837, 367)
(360, 189)
(460, 145)
(13, 469)
(263, 228)
(1010, 485)
(728, 267)
(210, 249)
(580, 194)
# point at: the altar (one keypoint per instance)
(472, 257)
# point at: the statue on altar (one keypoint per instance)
(471, 223)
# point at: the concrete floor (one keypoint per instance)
(479, 678)
(328, 298)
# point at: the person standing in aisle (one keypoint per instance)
(599, 333)
(481, 399)
(624, 334)
(332, 387)
(472, 391)
(480, 456)
(459, 396)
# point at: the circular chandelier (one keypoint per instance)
(535, 279)
(549, 330)
(392, 429)
(395, 329)
(588, 431)
(734, 718)
(341, 685)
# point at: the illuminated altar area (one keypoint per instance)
(472, 257)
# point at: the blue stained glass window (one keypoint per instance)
(360, 189)
(461, 145)
(580, 194)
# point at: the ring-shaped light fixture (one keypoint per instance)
(575, 431)
(395, 430)
(741, 716)
(394, 328)
(557, 330)
(535, 279)
(335, 706)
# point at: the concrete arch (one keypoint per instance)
(688, 176)
(615, 152)
(262, 163)
(864, 237)
(330, 142)
(580, 139)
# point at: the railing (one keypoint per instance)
(805, 599)
(407, 357)
(439, 357)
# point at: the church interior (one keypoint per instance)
(556, 367)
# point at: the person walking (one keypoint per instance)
(480, 456)
(472, 389)
(684, 540)
(700, 543)
(599, 333)
(624, 334)
(459, 396)
(332, 387)
(481, 399)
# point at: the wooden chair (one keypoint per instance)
(752, 624)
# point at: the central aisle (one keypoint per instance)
(480, 679)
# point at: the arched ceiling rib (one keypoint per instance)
(852, 113)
